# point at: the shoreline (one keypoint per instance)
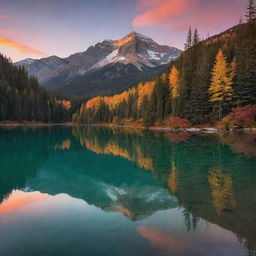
(190, 129)
(160, 129)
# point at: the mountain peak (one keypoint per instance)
(131, 36)
(27, 61)
(135, 34)
(102, 64)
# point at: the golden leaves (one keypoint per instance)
(143, 90)
(93, 103)
(222, 79)
(174, 79)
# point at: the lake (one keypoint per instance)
(114, 191)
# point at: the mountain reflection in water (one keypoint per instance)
(183, 193)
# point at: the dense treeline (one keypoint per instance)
(203, 85)
(21, 97)
(144, 102)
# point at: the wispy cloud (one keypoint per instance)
(195, 12)
(158, 12)
(21, 47)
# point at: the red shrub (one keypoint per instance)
(178, 122)
(240, 118)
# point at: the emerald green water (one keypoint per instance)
(101, 191)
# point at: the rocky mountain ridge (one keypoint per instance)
(107, 61)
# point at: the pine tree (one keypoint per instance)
(221, 90)
(196, 38)
(22, 98)
(251, 11)
(241, 20)
(188, 43)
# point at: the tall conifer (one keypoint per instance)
(196, 38)
(251, 11)
(188, 43)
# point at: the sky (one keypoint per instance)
(41, 28)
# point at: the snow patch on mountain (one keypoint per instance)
(155, 55)
(26, 62)
(111, 58)
(117, 56)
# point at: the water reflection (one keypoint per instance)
(222, 191)
(164, 183)
(159, 238)
(173, 178)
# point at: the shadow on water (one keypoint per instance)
(137, 173)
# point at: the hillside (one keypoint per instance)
(22, 99)
(105, 68)
(186, 89)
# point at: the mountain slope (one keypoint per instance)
(102, 68)
(187, 94)
(21, 97)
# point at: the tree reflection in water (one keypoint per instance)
(212, 177)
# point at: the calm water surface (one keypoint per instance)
(101, 191)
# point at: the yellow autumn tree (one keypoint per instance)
(174, 79)
(221, 90)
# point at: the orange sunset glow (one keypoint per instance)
(19, 199)
(21, 47)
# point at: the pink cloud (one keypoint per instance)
(176, 14)
(160, 12)
(20, 47)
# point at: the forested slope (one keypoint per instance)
(209, 79)
(21, 97)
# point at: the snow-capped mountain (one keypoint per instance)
(102, 65)
(140, 51)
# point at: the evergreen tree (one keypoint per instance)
(21, 97)
(196, 38)
(245, 87)
(198, 86)
(241, 20)
(188, 43)
(251, 11)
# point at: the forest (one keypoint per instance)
(213, 80)
(23, 99)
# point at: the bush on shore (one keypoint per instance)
(178, 122)
(241, 117)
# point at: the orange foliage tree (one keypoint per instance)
(174, 80)
(221, 90)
